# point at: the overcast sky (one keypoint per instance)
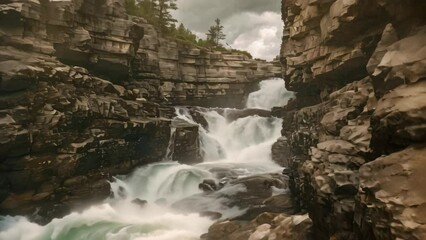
(251, 25)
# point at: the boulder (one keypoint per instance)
(139, 202)
(265, 226)
(394, 210)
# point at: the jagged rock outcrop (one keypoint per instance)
(326, 145)
(354, 136)
(328, 42)
(65, 130)
(185, 143)
(65, 133)
(267, 226)
(84, 95)
(392, 199)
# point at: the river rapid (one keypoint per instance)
(242, 145)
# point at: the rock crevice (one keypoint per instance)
(85, 94)
(354, 135)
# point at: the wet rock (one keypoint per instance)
(255, 194)
(281, 152)
(139, 202)
(258, 188)
(208, 185)
(186, 146)
(211, 215)
(224, 230)
(232, 115)
(265, 226)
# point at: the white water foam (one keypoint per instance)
(272, 93)
(121, 221)
(243, 145)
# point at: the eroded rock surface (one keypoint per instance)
(85, 94)
(394, 184)
(67, 133)
(267, 226)
(353, 138)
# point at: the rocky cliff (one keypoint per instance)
(354, 137)
(80, 98)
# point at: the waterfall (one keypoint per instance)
(242, 145)
(272, 93)
(171, 146)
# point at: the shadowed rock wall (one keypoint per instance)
(80, 98)
(354, 136)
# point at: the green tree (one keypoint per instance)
(163, 14)
(156, 12)
(181, 29)
(185, 34)
(215, 33)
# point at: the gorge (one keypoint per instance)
(234, 149)
(112, 130)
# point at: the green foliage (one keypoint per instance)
(185, 34)
(158, 13)
(164, 16)
(215, 33)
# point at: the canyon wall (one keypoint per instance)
(354, 137)
(85, 94)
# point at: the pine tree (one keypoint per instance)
(163, 14)
(148, 10)
(157, 12)
(215, 33)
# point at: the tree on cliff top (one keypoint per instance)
(185, 34)
(156, 12)
(215, 33)
(164, 16)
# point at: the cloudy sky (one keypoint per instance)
(251, 25)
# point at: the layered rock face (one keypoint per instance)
(64, 131)
(83, 95)
(353, 139)
(200, 77)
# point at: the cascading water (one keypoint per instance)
(272, 93)
(242, 145)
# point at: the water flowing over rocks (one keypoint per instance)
(353, 138)
(254, 195)
(85, 95)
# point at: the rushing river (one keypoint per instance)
(242, 145)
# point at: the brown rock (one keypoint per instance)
(393, 185)
(400, 118)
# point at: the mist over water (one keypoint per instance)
(242, 145)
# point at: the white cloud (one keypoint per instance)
(251, 25)
(260, 34)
